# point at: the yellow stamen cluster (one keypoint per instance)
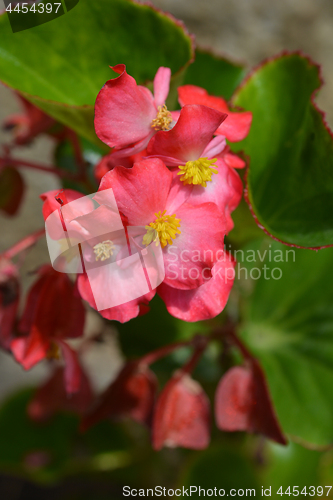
(166, 227)
(104, 250)
(198, 172)
(163, 119)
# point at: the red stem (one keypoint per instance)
(25, 164)
(23, 244)
(201, 344)
(73, 138)
(154, 356)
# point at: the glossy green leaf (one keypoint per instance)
(290, 179)
(217, 75)
(60, 66)
(289, 327)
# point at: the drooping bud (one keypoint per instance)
(132, 395)
(182, 415)
(243, 403)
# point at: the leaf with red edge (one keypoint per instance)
(62, 74)
(182, 415)
(290, 178)
(288, 327)
(11, 190)
(242, 403)
(132, 395)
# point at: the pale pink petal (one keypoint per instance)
(161, 85)
(187, 140)
(123, 111)
(204, 302)
(215, 147)
(121, 313)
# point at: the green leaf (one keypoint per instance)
(290, 179)
(290, 466)
(216, 74)
(289, 327)
(220, 468)
(60, 66)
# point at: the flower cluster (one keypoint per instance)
(173, 173)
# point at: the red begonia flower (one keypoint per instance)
(28, 125)
(225, 190)
(242, 403)
(127, 115)
(182, 415)
(204, 302)
(53, 312)
(52, 397)
(132, 394)
(235, 128)
(9, 301)
(162, 206)
(190, 139)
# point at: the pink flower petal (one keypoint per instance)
(235, 128)
(215, 147)
(204, 302)
(123, 111)
(189, 137)
(161, 85)
(225, 189)
(233, 161)
(193, 251)
(182, 415)
(141, 191)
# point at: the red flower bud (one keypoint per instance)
(182, 415)
(132, 395)
(242, 403)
